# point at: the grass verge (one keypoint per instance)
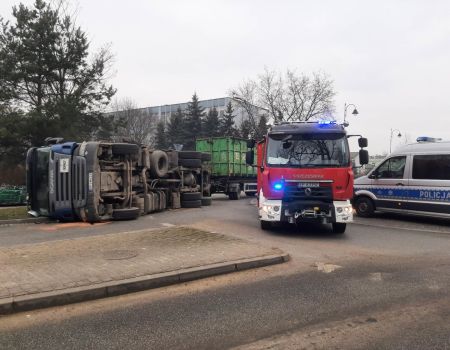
(13, 213)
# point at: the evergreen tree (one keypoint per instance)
(226, 122)
(45, 72)
(246, 131)
(161, 136)
(175, 128)
(262, 127)
(193, 122)
(211, 124)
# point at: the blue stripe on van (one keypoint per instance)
(423, 194)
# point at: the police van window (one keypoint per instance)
(393, 168)
(431, 167)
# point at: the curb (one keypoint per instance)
(102, 290)
(24, 221)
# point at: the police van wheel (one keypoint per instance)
(339, 227)
(265, 225)
(364, 207)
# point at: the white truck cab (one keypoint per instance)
(414, 179)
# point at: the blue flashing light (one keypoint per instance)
(427, 139)
(278, 186)
(326, 122)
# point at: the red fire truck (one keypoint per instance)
(305, 174)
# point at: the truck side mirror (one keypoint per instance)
(363, 156)
(251, 143)
(249, 157)
(362, 142)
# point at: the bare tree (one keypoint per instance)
(135, 125)
(289, 96)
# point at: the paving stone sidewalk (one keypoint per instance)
(59, 265)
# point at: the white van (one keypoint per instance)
(415, 179)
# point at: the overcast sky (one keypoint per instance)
(389, 58)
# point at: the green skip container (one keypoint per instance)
(227, 156)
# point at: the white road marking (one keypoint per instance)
(165, 224)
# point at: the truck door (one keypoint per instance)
(390, 185)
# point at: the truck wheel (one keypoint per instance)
(364, 207)
(339, 227)
(191, 204)
(265, 225)
(233, 196)
(125, 214)
(206, 157)
(206, 201)
(189, 155)
(190, 196)
(124, 148)
(190, 163)
(159, 162)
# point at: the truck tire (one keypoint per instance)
(190, 163)
(364, 207)
(206, 157)
(233, 196)
(191, 204)
(206, 201)
(125, 214)
(189, 155)
(190, 196)
(265, 225)
(339, 227)
(124, 148)
(159, 164)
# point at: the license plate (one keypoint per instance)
(308, 184)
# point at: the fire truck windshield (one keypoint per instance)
(306, 151)
(40, 173)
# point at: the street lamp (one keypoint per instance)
(392, 133)
(355, 113)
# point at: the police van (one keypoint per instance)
(415, 179)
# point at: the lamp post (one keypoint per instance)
(355, 113)
(392, 133)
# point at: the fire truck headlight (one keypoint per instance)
(339, 209)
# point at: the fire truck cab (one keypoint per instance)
(305, 174)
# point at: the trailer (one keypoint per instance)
(229, 173)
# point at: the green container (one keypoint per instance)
(12, 195)
(227, 156)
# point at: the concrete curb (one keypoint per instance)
(24, 221)
(113, 288)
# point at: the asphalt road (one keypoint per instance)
(384, 284)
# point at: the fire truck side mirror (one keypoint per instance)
(251, 143)
(249, 157)
(363, 157)
(362, 142)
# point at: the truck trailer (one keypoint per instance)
(229, 173)
(304, 174)
(95, 181)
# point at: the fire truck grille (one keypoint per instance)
(293, 192)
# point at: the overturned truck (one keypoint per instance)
(98, 181)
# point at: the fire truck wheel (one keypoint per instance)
(190, 163)
(124, 148)
(206, 201)
(191, 196)
(189, 155)
(206, 157)
(364, 207)
(125, 214)
(191, 204)
(159, 164)
(265, 225)
(339, 227)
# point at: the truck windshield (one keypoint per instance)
(305, 151)
(40, 169)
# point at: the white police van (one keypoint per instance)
(415, 179)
